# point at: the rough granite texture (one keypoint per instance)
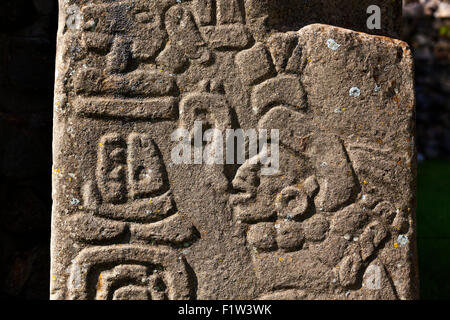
(336, 222)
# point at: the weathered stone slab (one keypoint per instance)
(336, 221)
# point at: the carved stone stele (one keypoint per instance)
(337, 221)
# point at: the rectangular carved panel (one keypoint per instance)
(335, 220)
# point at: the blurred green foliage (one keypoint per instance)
(444, 31)
(433, 226)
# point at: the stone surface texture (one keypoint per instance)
(336, 222)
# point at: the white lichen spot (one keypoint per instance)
(377, 88)
(74, 18)
(372, 278)
(355, 92)
(402, 240)
(75, 201)
(333, 45)
(148, 173)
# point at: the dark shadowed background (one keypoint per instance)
(27, 54)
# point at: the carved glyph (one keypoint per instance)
(335, 222)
